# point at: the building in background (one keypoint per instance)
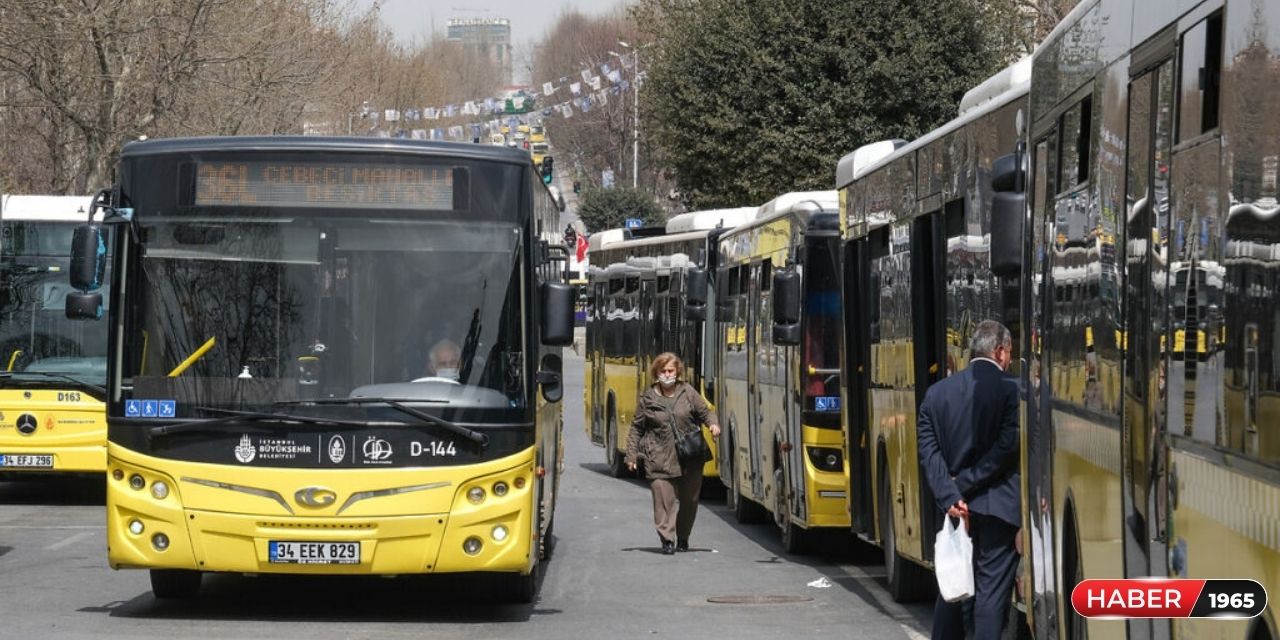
(489, 38)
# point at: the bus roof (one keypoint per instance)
(868, 154)
(811, 201)
(464, 150)
(1000, 89)
(709, 219)
(600, 239)
(45, 208)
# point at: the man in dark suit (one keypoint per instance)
(967, 434)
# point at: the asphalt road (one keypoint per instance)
(606, 578)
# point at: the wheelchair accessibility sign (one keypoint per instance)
(826, 403)
(150, 408)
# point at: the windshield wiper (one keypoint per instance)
(477, 437)
(80, 384)
(248, 416)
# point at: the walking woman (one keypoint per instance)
(670, 406)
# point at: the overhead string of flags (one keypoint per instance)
(583, 95)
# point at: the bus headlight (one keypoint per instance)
(472, 545)
(475, 495)
(160, 541)
(499, 533)
(826, 458)
(499, 488)
(160, 490)
(136, 482)
(135, 527)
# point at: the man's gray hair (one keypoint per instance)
(988, 335)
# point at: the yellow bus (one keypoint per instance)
(330, 356)
(778, 357)
(52, 370)
(1155, 137)
(638, 293)
(920, 272)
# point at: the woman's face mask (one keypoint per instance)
(667, 379)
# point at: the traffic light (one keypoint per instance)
(547, 167)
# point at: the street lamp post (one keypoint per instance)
(635, 130)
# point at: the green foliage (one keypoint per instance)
(753, 98)
(602, 209)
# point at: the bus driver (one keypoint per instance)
(443, 362)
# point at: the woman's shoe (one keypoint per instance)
(668, 548)
(682, 544)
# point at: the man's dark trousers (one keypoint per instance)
(995, 564)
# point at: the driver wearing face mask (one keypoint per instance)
(444, 359)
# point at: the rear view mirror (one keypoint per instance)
(88, 257)
(695, 294)
(786, 297)
(1007, 213)
(557, 314)
(84, 306)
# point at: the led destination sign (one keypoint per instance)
(325, 184)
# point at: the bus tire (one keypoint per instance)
(617, 463)
(907, 580)
(520, 588)
(1077, 628)
(176, 584)
(794, 539)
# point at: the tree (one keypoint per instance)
(752, 98)
(602, 209)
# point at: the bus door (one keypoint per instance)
(928, 265)
(1146, 359)
(857, 356)
(645, 349)
(755, 416)
(595, 356)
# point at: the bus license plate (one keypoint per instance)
(26, 461)
(314, 552)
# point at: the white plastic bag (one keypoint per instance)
(953, 562)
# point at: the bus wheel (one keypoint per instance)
(617, 464)
(904, 576)
(175, 583)
(793, 537)
(521, 589)
(1077, 627)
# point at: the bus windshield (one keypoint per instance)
(36, 338)
(245, 309)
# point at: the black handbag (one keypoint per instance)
(692, 447)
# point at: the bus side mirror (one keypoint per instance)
(786, 297)
(557, 314)
(787, 335)
(88, 265)
(88, 257)
(1007, 213)
(695, 294)
(786, 307)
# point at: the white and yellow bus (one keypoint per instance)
(778, 360)
(921, 270)
(330, 356)
(52, 370)
(638, 305)
(1152, 425)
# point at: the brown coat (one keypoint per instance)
(651, 439)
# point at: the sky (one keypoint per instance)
(530, 19)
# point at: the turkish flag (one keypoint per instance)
(582, 247)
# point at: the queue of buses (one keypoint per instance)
(1114, 200)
